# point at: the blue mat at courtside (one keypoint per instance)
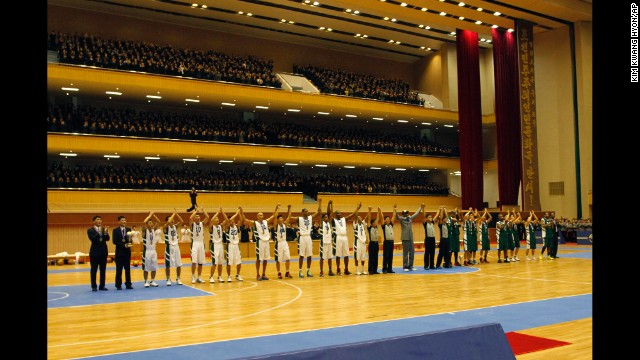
(80, 295)
(479, 342)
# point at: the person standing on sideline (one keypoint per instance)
(149, 254)
(121, 237)
(341, 242)
(172, 256)
(406, 235)
(530, 228)
(98, 235)
(360, 242)
(374, 242)
(556, 234)
(185, 233)
(193, 194)
(388, 244)
(281, 248)
(305, 245)
(197, 243)
(485, 244)
(216, 245)
(429, 240)
(454, 238)
(445, 225)
(515, 234)
(326, 240)
(261, 236)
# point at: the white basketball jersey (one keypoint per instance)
(197, 232)
(304, 224)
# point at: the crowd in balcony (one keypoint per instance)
(217, 178)
(342, 82)
(190, 126)
(92, 50)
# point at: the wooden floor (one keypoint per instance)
(250, 308)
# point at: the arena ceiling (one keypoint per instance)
(394, 30)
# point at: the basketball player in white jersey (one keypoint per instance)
(326, 243)
(340, 239)
(216, 245)
(172, 256)
(234, 257)
(149, 254)
(261, 236)
(360, 242)
(281, 250)
(197, 243)
(305, 245)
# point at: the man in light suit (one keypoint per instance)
(98, 235)
(122, 240)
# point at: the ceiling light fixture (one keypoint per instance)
(112, 156)
(192, 100)
(321, 165)
(188, 159)
(154, 97)
(113, 93)
(228, 104)
(260, 163)
(152, 157)
(68, 154)
(226, 161)
(70, 89)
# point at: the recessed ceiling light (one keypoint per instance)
(112, 156)
(154, 97)
(427, 27)
(291, 164)
(188, 159)
(113, 93)
(70, 89)
(192, 100)
(497, 13)
(450, 126)
(226, 161)
(228, 104)
(393, 20)
(403, 121)
(483, 39)
(461, 18)
(510, 30)
(420, 26)
(442, 13)
(349, 167)
(294, 110)
(261, 107)
(401, 169)
(152, 157)
(323, 113)
(426, 123)
(478, 22)
(377, 118)
(479, 9)
(260, 163)
(321, 165)
(494, 26)
(68, 154)
(403, 4)
(424, 9)
(375, 168)
(351, 115)
(423, 170)
(461, 4)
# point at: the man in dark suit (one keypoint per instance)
(193, 194)
(122, 240)
(98, 235)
